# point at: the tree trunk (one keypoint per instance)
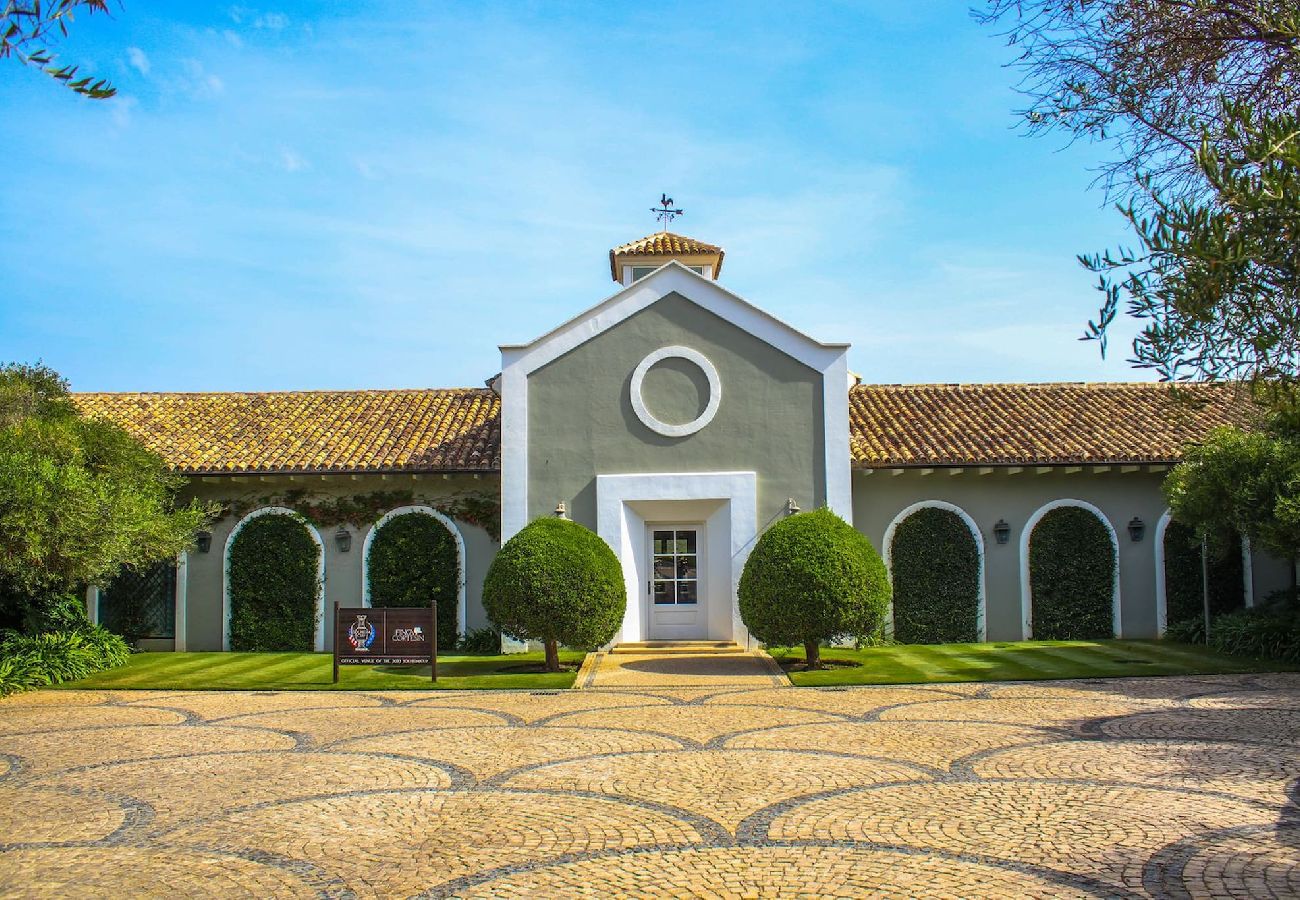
(812, 652)
(552, 656)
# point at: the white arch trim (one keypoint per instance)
(1026, 592)
(320, 570)
(887, 551)
(450, 525)
(1162, 596)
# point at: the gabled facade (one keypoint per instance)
(678, 421)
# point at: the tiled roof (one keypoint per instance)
(665, 243)
(987, 424)
(456, 430)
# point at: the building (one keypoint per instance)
(678, 421)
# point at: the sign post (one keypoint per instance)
(386, 636)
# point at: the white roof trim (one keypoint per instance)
(671, 277)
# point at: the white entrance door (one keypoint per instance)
(675, 587)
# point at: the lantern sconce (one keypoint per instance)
(1136, 529)
(203, 540)
(1002, 531)
(791, 507)
(343, 538)
(561, 511)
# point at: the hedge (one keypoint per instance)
(39, 660)
(811, 578)
(274, 584)
(935, 566)
(1071, 576)
(1183, 589)
(413, 561)
(559, 583)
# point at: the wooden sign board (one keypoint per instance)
(392, 636)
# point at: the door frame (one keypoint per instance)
(701, 576)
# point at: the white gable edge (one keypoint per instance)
(672, 277)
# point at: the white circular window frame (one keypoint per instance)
(710, 409)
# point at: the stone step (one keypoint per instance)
(696, 647)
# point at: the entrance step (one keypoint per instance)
(691, 647)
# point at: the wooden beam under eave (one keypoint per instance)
(897, 471)
(1128, 470)
(1015, 470)
(1071, 470)
(210, 479)
(1097, 470)
(985, 470)
(927, 471)
(239, 478)
(1042, 470)
(1157, 468)
(956, 470)
(415, 476)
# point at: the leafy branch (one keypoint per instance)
(27, 29)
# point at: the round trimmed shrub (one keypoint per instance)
(273, 585)
(1183, 588)
(1071, 577)
(412, 562)
(812, 578)
(559, 583)
(935, 567)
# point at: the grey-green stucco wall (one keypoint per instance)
(581, 422)
(204, 607)
(878, 497)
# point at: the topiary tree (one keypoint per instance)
(1071, 577)
(413, 561)
(559, 583)
(811, 578)
(274, 582)
(935, 565)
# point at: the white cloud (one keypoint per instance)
(272, 21)
(290, 161)
(199, 81)
(138, 59)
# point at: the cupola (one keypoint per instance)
(639, 258)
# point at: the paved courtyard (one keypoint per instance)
(1165, 787)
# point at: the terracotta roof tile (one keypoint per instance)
(987, 424)
(458, 430)
(664, 243)
(455, 430)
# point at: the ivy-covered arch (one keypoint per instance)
(935, 556)
(1179, 577)
(273, 595)
(414, 554)
(1069, 571)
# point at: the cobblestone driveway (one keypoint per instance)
(1167, 787)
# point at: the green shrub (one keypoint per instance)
(1272, 632)
(1071, 577)
(274, 584)
(31, 661)
(811, 578)
(480, 640)
(559, 583)
(935, 566)
(1183, 588)
(413, 561)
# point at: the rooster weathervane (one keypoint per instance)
(664, 212)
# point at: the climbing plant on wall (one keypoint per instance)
(413, 561)
(1183, 601)
(274, 582)
(479, 508)
(1071, 576)
(935, 565)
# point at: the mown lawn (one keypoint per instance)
(1017, 661)
(314, 672)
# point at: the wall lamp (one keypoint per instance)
(203, 540)
(343, 538)
(791, 507)
(561, 511)
(1136, 529)
(1002, 531)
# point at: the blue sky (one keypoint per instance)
(342, 195)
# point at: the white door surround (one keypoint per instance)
(726, 503)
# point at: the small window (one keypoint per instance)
(639, 272)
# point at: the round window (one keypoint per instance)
(710, 407)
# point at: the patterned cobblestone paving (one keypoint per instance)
(1181, 787)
